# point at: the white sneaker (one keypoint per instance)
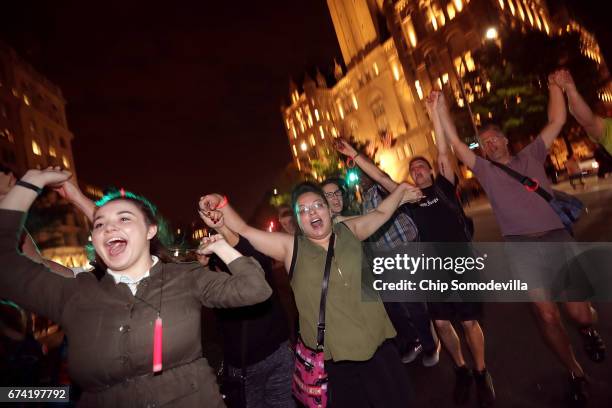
(410, 356)
(432, 358)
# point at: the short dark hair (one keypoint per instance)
(303, 188)
(419, 158)
(490, 126)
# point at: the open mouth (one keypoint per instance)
(116, 246)
(316, 223)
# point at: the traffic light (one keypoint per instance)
(352, 177)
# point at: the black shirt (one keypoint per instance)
(436, 220)
(259, 328)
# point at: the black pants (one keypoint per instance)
(380, 382)
(412, 323)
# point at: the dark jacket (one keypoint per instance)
(253, 332)
(110, 331)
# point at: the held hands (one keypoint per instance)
(51, 176)
(563, 79)
(69, 191)
(412, 194)
(213, 244)
(343, 147)
(212, 219)
(432, 101)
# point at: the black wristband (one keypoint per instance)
(30, 186)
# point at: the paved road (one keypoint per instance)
(525, 372)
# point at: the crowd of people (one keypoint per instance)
(242, 272)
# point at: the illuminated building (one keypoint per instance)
(34, 134)
(396, 52)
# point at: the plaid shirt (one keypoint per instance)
(395, 232)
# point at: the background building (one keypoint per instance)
(34, 134)
(396, 52)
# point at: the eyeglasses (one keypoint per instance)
(337, 193)
(305, 209)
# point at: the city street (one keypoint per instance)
(525, 372)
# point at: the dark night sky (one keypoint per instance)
(174, 100)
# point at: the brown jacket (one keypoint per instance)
(110, 331)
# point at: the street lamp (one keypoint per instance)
(491, 33)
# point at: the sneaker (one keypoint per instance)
(579, 393)
(463, 383)
(431, 358)
(484, 388)
(594, 345)
(411, 355)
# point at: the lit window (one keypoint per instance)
(26, 100)
(304, 146)
(32, 126)
(511, 5)
(469, 61)
(340, 110)
(294, 151)
(313, 142)
(355, 104)
(450, 9)
(409, 27)
(321, 132)
(65, 162)
(294, 132)
(376, 72)
(317, 114)
(52, 152)
(439, 82)
(417, 85)
(309, 120)
(520, 9)
(36, 148)
(396, 73)
(458, 5)
(488, 85)
(501, 4)
(432, 18)
(445, 79)
(334, 132)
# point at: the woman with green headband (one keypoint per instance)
(134, 336)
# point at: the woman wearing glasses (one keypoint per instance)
(364, 368)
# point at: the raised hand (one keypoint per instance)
(69, 191)
(431, 102)
(343, 147)
(212, 219)
(564, 79)
(51, 176)
(412, 194)
(212, 244)
(210, 202)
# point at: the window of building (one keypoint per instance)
(32, 126)
(409, 31)
(380, 115)
(450, 10)
(65, 162)
(313, 142)
(52, 151)
(26, 100)
(36, 148)
(4, 111)
(7, 133)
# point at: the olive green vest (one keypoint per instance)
(354, 328)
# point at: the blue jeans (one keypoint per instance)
(268, 382)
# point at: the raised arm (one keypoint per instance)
(245, 286)
(365, 225)
(444, 160)
(557, 113)
(366, 165)
(592, 123)
(22, 280)
(71, 192)
(465, 154)
(276, 245)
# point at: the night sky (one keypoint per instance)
(174, 100)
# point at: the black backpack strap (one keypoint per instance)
(294, 256)
(529, 183)
(324, 287)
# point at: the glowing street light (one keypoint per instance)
(491, 33)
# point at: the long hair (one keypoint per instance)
(158, 243)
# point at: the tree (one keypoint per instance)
(509, 84)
